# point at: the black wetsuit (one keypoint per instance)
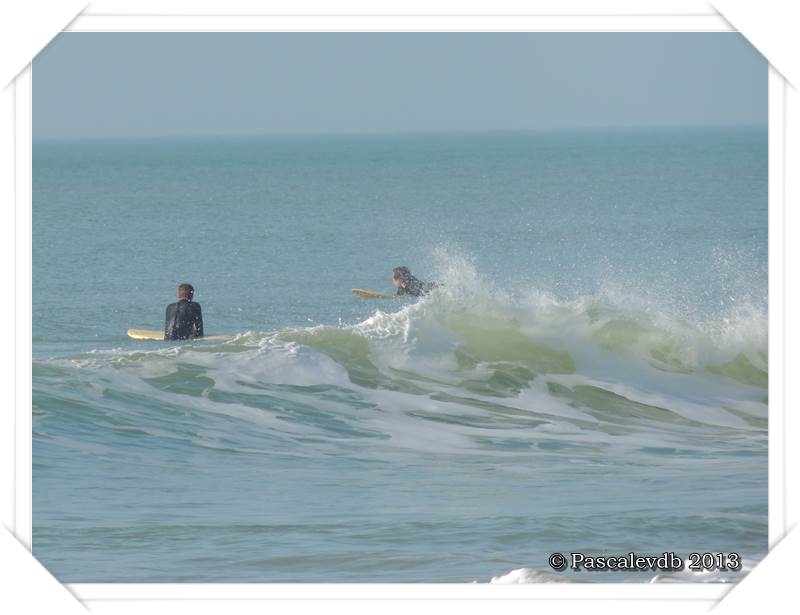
(184, 320)
(415, 288)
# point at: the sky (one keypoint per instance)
(106, 85)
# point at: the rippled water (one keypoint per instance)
(591, 376)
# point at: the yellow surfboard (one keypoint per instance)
(371, 294)
(149, 334)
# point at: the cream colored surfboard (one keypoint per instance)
(371, 294)
(149, 334)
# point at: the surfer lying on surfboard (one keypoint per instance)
(184, 318)
(408, 285)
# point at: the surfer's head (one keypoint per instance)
(185, 291)
(402, 276)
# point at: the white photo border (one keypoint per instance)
(700, 594)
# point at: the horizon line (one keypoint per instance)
(396, 133)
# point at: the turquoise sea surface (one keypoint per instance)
(590, 376)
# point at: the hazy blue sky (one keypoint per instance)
(149, 84)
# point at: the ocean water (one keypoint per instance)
(591, 376)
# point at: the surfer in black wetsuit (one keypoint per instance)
(184, 318)
(408, 285)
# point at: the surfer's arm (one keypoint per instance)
(198, 322)
(168, 318)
